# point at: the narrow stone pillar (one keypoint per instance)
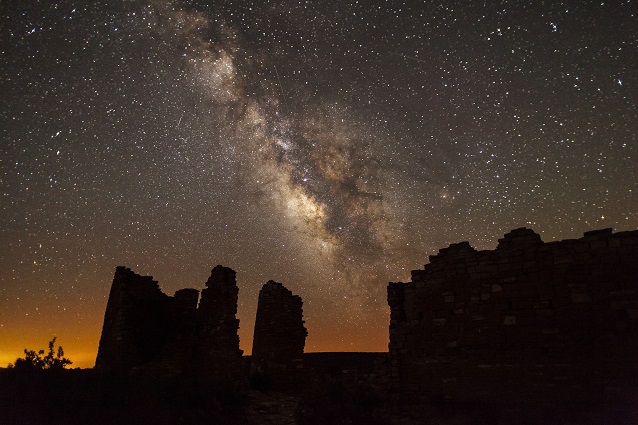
(279, 339)
(218, 326)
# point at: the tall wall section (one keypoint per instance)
(279, 338)
(132, 333)
(528, 320)
(150, 332)
(217, 328)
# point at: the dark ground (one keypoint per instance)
(336, 392)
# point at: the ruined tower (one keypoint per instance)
(279, 337)
(133, 331)
(147, 330)
(218, 326)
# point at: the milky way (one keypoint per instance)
(317, 166)
(331, 147)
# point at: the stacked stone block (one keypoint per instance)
(218, 327)
(132, 333)
(279, 337)
(529, 319)
(147, 331)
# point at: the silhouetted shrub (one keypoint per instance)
(39, 361)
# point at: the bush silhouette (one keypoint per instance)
(39, 361)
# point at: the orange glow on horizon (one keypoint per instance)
(82, 349)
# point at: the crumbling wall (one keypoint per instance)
(279, 338)
(531, 320)
(146, 330)
(132, 333)
(218, 327)
(179, 352)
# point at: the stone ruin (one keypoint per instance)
(146, 330)
(527, 321)
(217, 337)
(134, 322)
(279, 338)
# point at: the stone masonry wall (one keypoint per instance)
(279, 338)
(218, 327)
(147, 331)
(135, 317)
(527, 321)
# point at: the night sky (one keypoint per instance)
(330, 146)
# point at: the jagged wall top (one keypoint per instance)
(471, 320)
(145, 328)
(277, 289)
(520, 239)
(219, 298)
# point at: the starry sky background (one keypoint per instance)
(329, 146)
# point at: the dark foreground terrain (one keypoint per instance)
(340, 390)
